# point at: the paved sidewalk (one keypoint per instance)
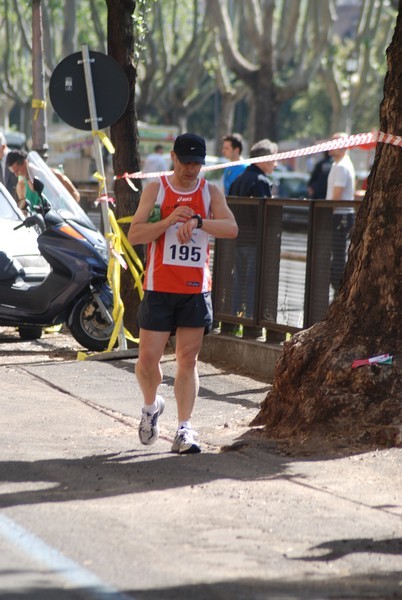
(239, 521)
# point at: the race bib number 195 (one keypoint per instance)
(193, 254)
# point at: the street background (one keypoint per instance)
(88, 512)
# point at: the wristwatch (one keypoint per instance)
(198, 218)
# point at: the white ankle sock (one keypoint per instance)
(150, 408)
(185, 424)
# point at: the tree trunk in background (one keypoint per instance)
(265, 107)
(225, 120)
(39, 117)
(124, 135)
(317, 397)
(69, 12)
(273, 48)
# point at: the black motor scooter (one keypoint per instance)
(74, 292)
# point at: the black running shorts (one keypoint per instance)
(162, 311)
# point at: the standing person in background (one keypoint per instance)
(232, 146)
(254, 183)
(341, 186)
(317, 184)
(68, 184)
(154, 163)
(17, 163)
(6, 177)
(175, 217)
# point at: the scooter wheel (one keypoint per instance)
(88, 327)
(30, 332)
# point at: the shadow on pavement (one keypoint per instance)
(340, 548)
(232, 396)
(129, 473)
(376, 586)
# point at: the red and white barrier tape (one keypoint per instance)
(351, 141)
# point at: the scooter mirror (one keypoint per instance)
(38, 185)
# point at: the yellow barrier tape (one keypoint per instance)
(131, 257)
(120, 245)
(105, 140)
(114, 280)
(133, 261)
(38, 104)
(101, 181)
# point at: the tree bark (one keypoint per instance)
(69, 12)
(317, 396)
(124, 135)
(39, 120)
(265, 106)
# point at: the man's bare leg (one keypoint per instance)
(148, 370)
(188, 345)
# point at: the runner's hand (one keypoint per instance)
(185, 231)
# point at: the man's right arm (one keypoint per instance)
(141, 230)
(338, 192)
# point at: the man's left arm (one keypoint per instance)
(222, 224)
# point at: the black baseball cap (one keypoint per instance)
(190, 147)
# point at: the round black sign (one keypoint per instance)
(68, 93)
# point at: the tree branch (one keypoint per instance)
(219, 17)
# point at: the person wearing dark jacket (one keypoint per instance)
(253, 183)
(317, 184)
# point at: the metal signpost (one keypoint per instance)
(90, 91)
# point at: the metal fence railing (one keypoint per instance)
(283, 270)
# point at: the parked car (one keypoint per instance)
(16, 140)
(20, 244)
(292, 184)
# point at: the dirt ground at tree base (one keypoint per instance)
(247, 519)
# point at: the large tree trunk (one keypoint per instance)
(124, 136)
(266, 107)
(316, 395)
(225, 119)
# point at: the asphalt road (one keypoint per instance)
(87, 512)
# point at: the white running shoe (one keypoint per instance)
(185, 443)
(148, 429)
